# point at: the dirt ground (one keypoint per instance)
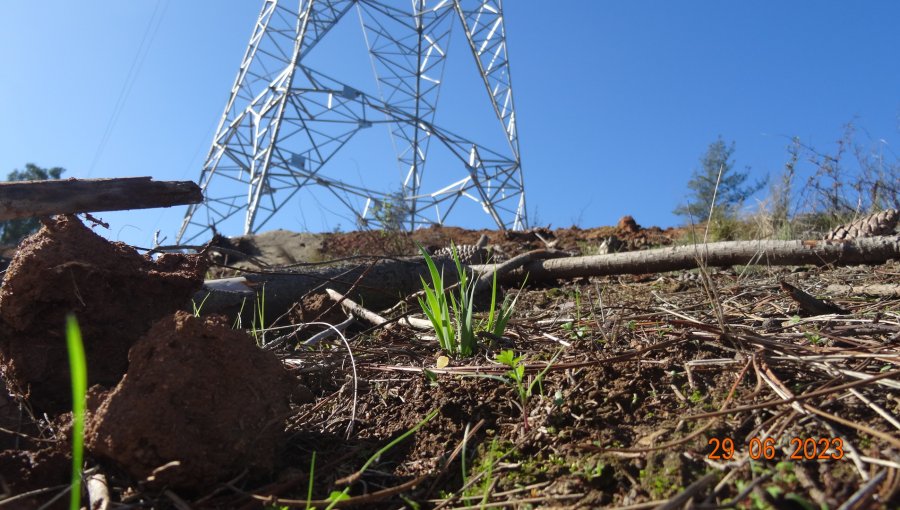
(709, 388)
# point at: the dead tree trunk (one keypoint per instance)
(874, 250)
(70, 196)
(375, 285)
(381, 284)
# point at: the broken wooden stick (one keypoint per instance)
(371, 317)
(71, 196)
(809, 303)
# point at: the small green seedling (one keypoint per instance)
(516, 377)
(78, 369)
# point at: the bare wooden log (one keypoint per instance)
(389, 280)
(377, 284)
(874, 250)
(70, 196)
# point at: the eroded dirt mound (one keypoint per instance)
(199, 393)
(115, 293)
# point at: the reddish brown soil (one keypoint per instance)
(619, 418)
(23, 471)
(572, 239)
(197, 392)
(115, 293)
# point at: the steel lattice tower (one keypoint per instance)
(284, 121)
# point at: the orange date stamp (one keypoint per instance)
(823, 448)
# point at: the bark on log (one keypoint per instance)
(70, 196)
(874, 250)
(376, 285)
(387, 281)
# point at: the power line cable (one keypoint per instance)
(137, 63)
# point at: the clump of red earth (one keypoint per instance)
(199, 397)
(200, 394)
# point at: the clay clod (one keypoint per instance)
(198, 394)
(115, 293)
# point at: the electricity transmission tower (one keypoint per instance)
(285, 121)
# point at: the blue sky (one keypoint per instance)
(616, 101)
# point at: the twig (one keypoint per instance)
(98, 491)
(371, 317)
(455, 453)
(487, 270)
(864, 491)
(689, 492)
(805, 396)
(355, 377)
(877, 408)
(885, 290)
(810, 304)
(365, 499)
(36, 492)
(515, 503)
(852, 424)
(328, 333)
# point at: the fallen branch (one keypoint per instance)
(381, 284)
(874, 250)
(70, 196)
(809, 303)
(502, 269)
(357, 310)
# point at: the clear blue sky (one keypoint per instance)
(616, 101)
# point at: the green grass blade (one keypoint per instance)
(78, 369)
(506, 311)
(491, 311)
(309, 489)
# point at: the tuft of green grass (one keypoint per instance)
(497, 325)
(437, 307)
(463, 309)
(78, 369)
(199, 307)
(456, 332)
